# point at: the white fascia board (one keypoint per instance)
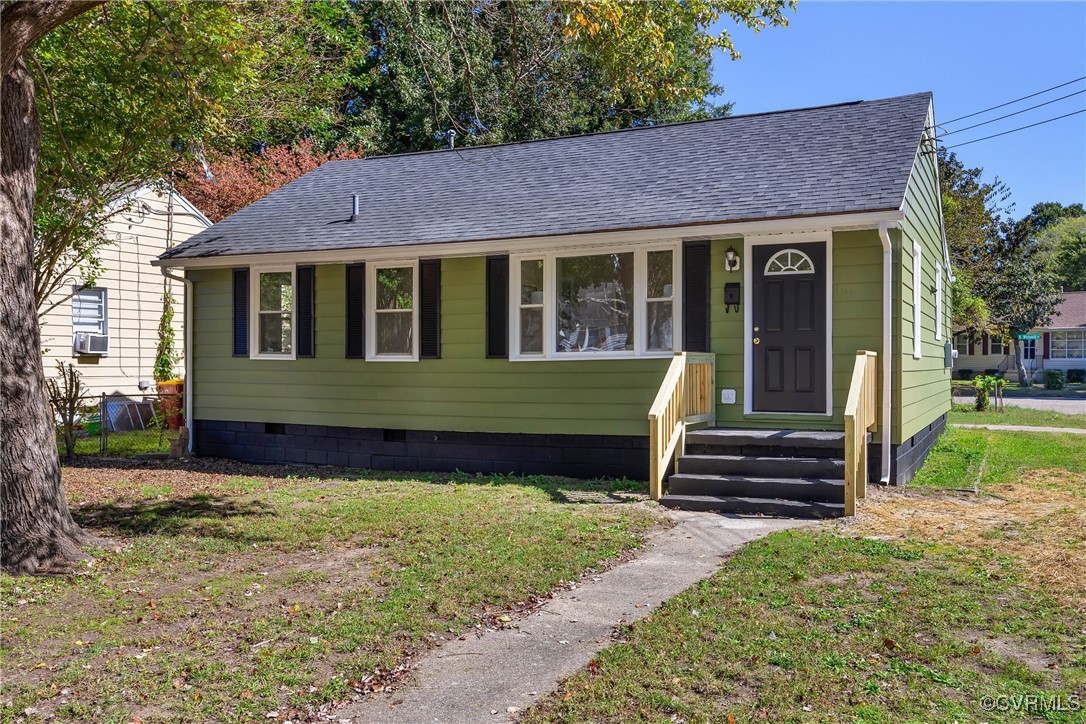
(152, 187)
(836, 222)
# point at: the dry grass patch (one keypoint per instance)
(1040, 521)
(231, 592)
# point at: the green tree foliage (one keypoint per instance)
(1064, 242)
(1020, 290)
(124, 90)
(975, 212)
(401, 74)
(1042, 216)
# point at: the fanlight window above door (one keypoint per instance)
(789, 261)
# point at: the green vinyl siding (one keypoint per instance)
(857, 325)
(463, 391)
(921, 385)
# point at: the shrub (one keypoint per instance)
(1076, 376)
(984, 384)
(65, 394)
(1053, 379)
(991, 373)
(964, 374)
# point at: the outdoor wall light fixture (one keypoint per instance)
(731, 259)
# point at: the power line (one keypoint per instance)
(1001, 105)
(1020, 128)
(1014, 113)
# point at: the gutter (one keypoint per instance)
(187, 333)
(887, 344)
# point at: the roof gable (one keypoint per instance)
(1071, 312)
(846, 158)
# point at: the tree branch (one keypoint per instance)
(24, 23)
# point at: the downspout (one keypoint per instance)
(186, 331)
(887, 343)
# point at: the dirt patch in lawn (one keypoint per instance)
(1039, 520)
(1029, 653)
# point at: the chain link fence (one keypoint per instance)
(123, 426)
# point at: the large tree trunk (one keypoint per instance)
(1023, 377)
(38, 531)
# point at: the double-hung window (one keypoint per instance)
(961, 343)
(598, 304)
(273, 325)
(1069, 344)
(392, 294)
(90, 311)
(996, 346)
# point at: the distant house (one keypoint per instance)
(518, 308)
(109, 330)
(1061, 345)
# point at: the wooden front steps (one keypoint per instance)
(788, 473)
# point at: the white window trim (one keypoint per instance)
(1079, 342)
(918, 283)
(750, 241)
(254, 312)
(961, 343)
(785, 271)
(550, 294)
(993, 341)
(938, 301)
(104, 292)
(371, 311)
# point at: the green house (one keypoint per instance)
(519, 308)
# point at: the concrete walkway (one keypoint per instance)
(1025, 428)
(1037, 403)
(488, 678)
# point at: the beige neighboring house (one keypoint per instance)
(110, 330)
(1060, 345)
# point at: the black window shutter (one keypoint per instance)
(356, 311)
(497, 307)
(305, 283)
(696, 296)
(430, 308)
(241, 312)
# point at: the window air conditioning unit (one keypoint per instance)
(90, 343)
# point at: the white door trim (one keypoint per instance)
(825, 237)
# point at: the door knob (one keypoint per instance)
(756, 340)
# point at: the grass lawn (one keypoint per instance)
(976, 459)
(121, 444)
(928, 606)
(1015, 416)
(233, 592)
(1074, 391)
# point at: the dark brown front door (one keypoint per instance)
(789, 327)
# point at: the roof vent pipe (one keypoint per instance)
(452, 138)
(354, 206)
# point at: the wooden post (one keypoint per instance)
(655, 483)
(850, 469)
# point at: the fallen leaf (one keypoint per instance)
(178, 683)
(504, 619)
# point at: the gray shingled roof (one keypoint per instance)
(845, 158)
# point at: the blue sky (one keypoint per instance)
(971, 55)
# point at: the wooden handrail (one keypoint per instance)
(686, 397)
(860, 417)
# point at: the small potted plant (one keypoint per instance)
(170, 387)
